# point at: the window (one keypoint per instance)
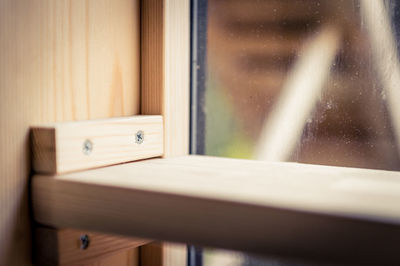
(308, 81)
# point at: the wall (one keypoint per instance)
(59, 61)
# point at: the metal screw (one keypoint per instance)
(84, 241)
(139, 137)
(87, 147)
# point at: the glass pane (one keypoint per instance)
(310, 81)
(305, 80)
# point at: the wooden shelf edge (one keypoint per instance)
(267, 208)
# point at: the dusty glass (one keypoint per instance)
(302, 80)
(308, 81)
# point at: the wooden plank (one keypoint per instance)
(286, 209)
(152, 254)
(125, 257)
(64, 247)
(165, 69)
(165, 50)
(129, 257)
(70, 146)
(152, 57)
(163, 253)
(60, 61)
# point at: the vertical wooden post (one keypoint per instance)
(165, 42)
(165, 69)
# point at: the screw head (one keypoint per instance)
(84, 239)
(87, 147)
(139, 137)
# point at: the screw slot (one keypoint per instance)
(139, 137)
(84, 239)
(87, 147)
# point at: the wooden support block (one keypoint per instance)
(70, 146)
(64, 246)
(163, 253)
(332, 213)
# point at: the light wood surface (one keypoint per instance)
(69, 251)
(152, 57)
(165, 81)
(165, 69)
(60, 61)
(60, 147)
(163, 253)
(287, 209)
(129, 257)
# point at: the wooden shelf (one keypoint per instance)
(303, 211)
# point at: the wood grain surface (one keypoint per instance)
(165, 90)
(165, 69)
(87, 144)
(60, 61)
(68, 249)
(335, 214)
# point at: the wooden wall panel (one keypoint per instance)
(59, 60)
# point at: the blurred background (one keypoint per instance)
(310, 81)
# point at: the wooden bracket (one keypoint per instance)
(70, 146)
(64, 246)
